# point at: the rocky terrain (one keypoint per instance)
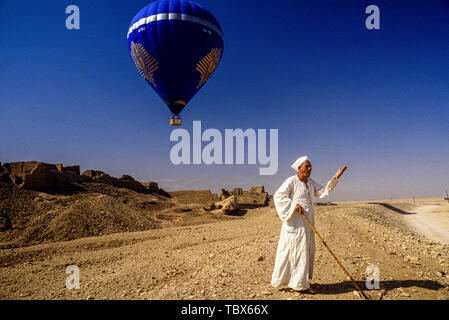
(145, 244)
(46, 202)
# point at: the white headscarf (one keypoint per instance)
(299, 162)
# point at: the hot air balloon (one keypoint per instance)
(176, 46)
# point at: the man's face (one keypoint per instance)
(305, 169)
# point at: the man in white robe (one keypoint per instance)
(296, 248)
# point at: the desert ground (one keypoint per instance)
(185, 252)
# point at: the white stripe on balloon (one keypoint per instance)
(173, 16)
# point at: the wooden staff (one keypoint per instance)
(333, 255)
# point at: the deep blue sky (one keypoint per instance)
(376, 100)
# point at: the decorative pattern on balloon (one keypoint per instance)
(207, 65)
(144, 62)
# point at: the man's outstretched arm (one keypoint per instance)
(324, 192)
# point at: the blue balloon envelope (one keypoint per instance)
(176, 45)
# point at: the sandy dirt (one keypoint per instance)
(432, 221)
(234, 258)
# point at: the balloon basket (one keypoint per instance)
(175, 121)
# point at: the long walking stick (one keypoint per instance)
(333, 255)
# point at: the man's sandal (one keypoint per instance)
(308, 291)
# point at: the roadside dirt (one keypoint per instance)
(233, 259)
(432, 221)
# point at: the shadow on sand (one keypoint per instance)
(390, 207)
(348, 286)
(68, 190)
(251, 206)
(239, 213)
(243, 209)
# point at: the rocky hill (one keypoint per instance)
(42, 202)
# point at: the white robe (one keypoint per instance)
(296, 248)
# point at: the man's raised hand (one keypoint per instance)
(340, 172)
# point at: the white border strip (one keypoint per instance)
(173, 16)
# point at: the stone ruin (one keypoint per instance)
(231, 202)
(41, 176)
(255, 196)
